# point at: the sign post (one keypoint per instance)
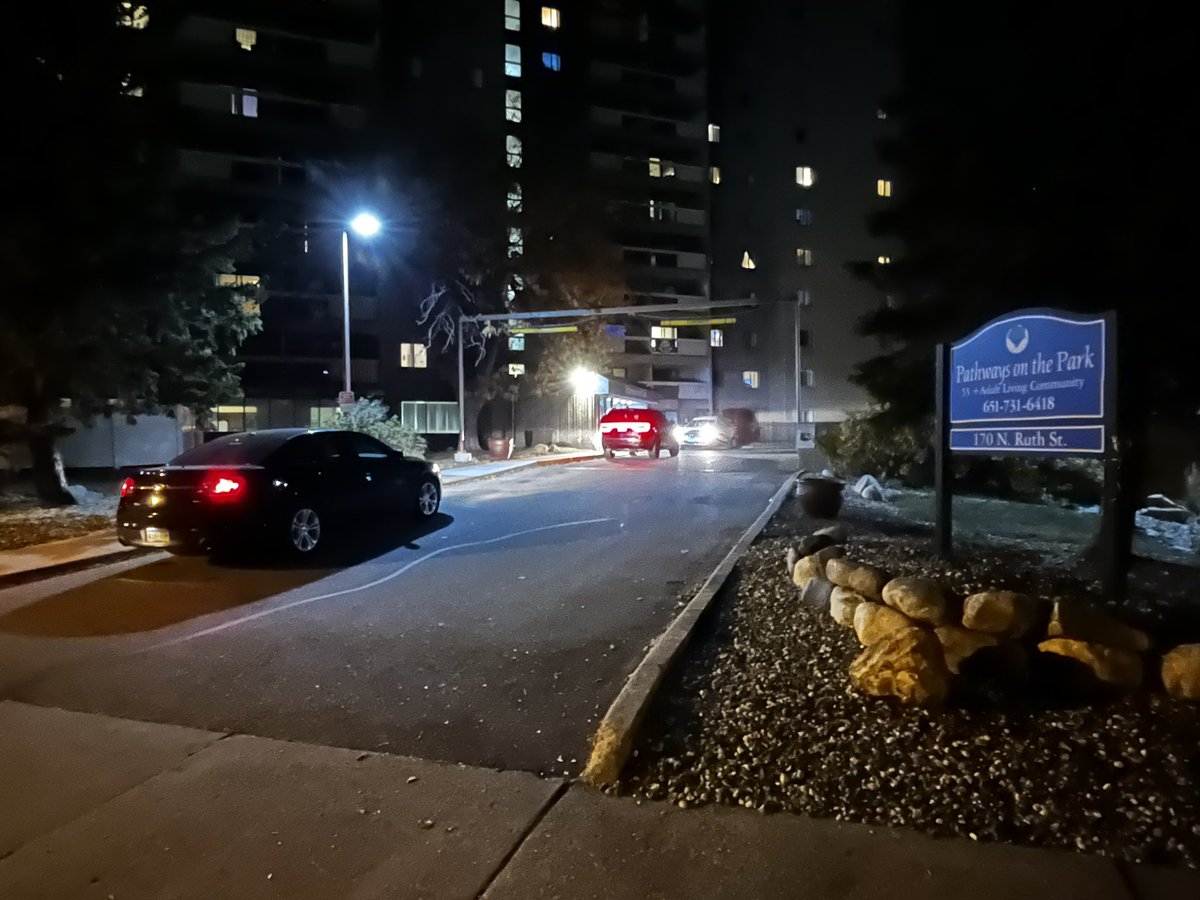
(1032, 383)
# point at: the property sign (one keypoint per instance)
(516, 342)
(1032, 382)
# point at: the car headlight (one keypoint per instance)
(436, 469)
(708, 433)
(677, 433)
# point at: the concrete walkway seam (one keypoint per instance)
(614, 737)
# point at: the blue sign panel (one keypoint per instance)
(1033, 382)
(1030, 439)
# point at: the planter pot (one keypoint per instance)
(500, 448)
(820, 496)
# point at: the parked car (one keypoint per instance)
(745, 425)
(705, 431)
(637, 429)
(288, 488)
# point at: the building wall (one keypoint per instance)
(799, 84)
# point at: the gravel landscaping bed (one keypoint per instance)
(24, 523)
(760, 713)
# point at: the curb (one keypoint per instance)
(71, 565)
(613, 740)
(533, 465)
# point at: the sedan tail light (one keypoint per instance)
(127, 487)
(223, 487)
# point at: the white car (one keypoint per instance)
(705, 431)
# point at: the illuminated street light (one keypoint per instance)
(364, 225)
(584, 382)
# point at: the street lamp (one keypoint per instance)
(365, 225)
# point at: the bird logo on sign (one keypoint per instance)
(1017, 339)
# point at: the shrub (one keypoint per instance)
(373, 417)
(864, 444)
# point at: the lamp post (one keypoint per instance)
(364, 225)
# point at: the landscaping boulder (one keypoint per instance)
(1005, 613)
(831, 552)
(843, 603)
(813, 543)
(1111, 665)
(874, 621)
(906, 664)
(869, 488)
(835, 533)
(541, 449)
(807, 567)
(865, 580)
(1084, 622)
(816, 593)
(1166, 513)
(918, 598)
(790, 559)
(959, 644)
(1181, 672)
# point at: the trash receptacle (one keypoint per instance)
(500, 448)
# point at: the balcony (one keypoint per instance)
(623, 129)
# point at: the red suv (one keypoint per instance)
(637, 429)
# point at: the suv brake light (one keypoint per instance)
(638, 427)
(127, 487)
(223, 487)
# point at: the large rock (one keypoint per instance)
(814, 542)
(835, 533)
(816, 593)
(1113, 666)
(906, 664)
(1006, 613)
(960, 644)
(1178, 514)
(869, 488)
(862, 579)
(1083, 622)
(842, 605)
(830, 552)
(1180, 671)
(918, 598)
(807, 568)
(874, 621)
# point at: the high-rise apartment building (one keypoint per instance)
(799, 93)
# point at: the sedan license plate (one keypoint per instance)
(156, 537)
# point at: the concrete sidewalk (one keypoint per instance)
(475, 471)
(39, 560)
(104, 807)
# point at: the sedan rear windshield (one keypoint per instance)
(235, 450)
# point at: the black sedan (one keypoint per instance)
(287, 488)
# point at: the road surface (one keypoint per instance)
(496, 637)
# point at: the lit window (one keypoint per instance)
(225, 279)
(807, 378)
(552, 61)
(244, 103)
(129, 89)
(714, 133)
(883, 187)
(881, 113)
(803, 257)
(551, 17)
(884, 260)
(133, 15)
(661, 168)
(512, 60)
(664, 333)
(748, 261)
(716, 338)
(805, 177)
(515, 200)
(512, 106)
(246, 37)
(513, 151)
(803, 215)
(804, 297)
(413, 356)
(714, 174)
(516, 242)
(512, 15)
(750, 379)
